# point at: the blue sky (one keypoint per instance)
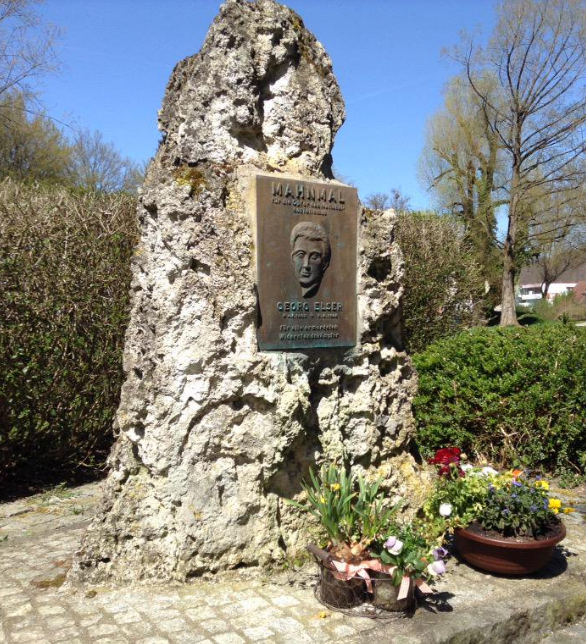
(117, 56)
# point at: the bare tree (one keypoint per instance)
(378, 201)
(26, 46)
(395, 199)
(98, 165)
(538, 112)
(556, 257)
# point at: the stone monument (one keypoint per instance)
(265, 334)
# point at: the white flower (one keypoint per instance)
(445, 509)
(436, 568)
(467, 467)
(488, 471)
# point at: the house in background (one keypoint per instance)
(531, 285)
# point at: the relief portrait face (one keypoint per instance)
(310, 254)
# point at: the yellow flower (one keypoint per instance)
(322, 614)
(322, 499)
(569, 510)
(335, 487)
(544, 485)
(555, 504)
(554, 510)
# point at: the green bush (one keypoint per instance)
(64, 284)
(515, 396)
(444, 286)
(564, 308)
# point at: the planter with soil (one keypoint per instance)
(492, 552)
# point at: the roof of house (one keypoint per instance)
(532, 275)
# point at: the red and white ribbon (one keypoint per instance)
(345, 571)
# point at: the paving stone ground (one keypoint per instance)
(38, 537)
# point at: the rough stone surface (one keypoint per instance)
(38, 537)
(213, 433)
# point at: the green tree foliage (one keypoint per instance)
(462, 164)
(444, 285)
(64, 282)
(510, 395)
(32, 148)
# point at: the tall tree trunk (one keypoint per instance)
(508, 308)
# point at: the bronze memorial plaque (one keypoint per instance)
(306, 240)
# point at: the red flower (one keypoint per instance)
(449, 460)
(445, 456)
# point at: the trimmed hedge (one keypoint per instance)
(515, 396)
(64, 297)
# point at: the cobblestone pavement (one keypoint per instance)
(38, 537)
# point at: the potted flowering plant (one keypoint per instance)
(366, 550)
(407, 560)
(503, 522)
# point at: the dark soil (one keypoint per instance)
(552, 530)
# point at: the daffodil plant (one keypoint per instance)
(352, 510)
(361, 526)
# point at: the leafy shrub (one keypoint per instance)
(510, 395)
(444, 287)
(64, 282)
(564, 307)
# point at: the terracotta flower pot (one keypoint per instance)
(505, 556)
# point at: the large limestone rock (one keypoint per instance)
(213, 433)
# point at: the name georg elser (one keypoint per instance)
(305, 306)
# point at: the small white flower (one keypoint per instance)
(467, 467)
(436, 568)
(488, 471)
(445, 509)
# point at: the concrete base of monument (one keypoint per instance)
(38, 536)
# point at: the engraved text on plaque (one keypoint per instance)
(306, 240)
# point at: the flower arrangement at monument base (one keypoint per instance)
(503, 522)
(368, 554)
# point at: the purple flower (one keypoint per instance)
(506, 511)
(439, 553)
(514, 495)
(533, 508)
(390, 542)
(517, 484)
